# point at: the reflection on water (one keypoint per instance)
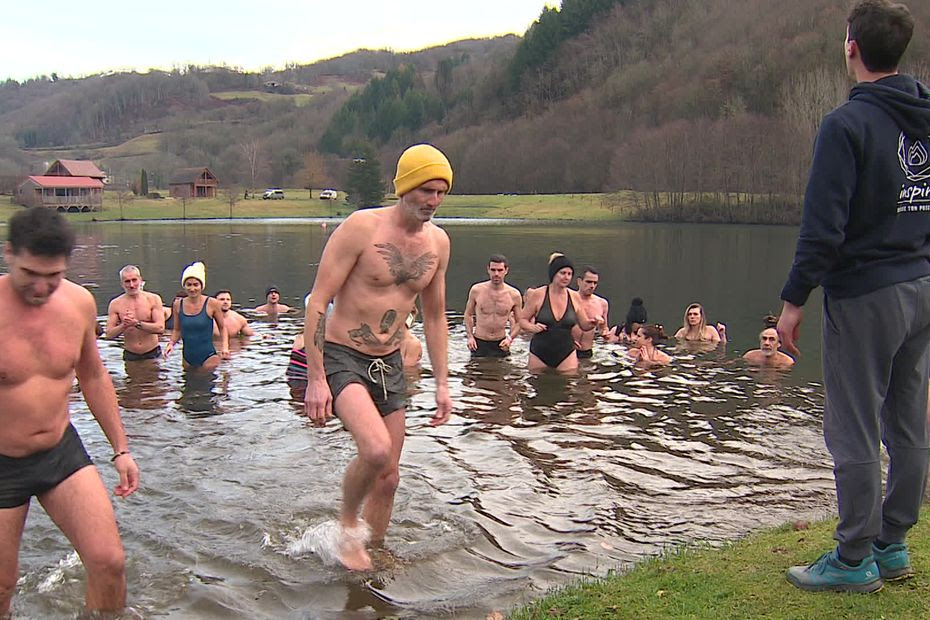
(536, 480)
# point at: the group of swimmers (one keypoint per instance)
(496, 313)
(565, 322)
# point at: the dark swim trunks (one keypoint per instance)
(129, 356)
(21, 478)
(584, 354)
(489, 348)
(382, 376)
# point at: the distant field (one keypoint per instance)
(299, 99)
(582, 207)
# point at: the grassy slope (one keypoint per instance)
(742, 580)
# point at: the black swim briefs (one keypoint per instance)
(382, 376)
(21, 478)
(129, 356)
(489, 348)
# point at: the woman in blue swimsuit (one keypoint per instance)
(195, 316)
(552, 345)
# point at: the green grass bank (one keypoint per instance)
(298, 203)
(744, 579)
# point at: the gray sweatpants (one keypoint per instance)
(876, 360)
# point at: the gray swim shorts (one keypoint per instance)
(382, 376)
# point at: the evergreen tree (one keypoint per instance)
(364, 186)
(144, 184)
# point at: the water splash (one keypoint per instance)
(326, 539)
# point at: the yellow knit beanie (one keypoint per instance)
(418, 165)
(195, 270)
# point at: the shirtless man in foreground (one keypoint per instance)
(47, 329)
(491, 305)
(594, 306)
(137, 316)
(236, 324)
(373, 266)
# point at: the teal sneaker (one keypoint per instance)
(829, 573)
(893, 561)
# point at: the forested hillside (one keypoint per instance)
(680, 99)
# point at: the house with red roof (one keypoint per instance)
(68, 185)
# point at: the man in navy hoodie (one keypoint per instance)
(865, 237)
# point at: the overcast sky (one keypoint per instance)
(81, 38)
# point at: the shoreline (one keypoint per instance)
(742, 579)
(618, 207)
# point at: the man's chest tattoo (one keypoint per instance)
(404, 269)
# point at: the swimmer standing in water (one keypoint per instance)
(374, 265)
(491, 304)
(552, 345)
(195, 316)
(594, 306)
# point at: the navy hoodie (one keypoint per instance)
(866, 219)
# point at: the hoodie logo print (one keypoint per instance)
(914, 159)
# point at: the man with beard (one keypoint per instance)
(137, 316)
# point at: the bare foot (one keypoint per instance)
(354, 557)
(352, 552)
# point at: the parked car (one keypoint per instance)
(273, 194)
(329, 194)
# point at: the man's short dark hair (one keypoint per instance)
(221, 291)
(882, 31)
(588, 269)
(41, 231)
(497, 258)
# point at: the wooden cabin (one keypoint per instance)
(193, 183)
(75, 168)
(68, 185)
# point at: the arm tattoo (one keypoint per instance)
(387, 320)
(403, 269)
(363, 335)
(319, 336)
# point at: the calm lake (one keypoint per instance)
(535, 482)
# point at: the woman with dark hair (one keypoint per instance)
(636, 317)
(552, 345)
(644, 346)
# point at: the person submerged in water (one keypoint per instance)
(768, 354)
(644, 348)
(694, 327)
(552, 344)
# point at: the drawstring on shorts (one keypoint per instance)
(378, 365)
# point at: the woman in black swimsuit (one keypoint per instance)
(552, 345)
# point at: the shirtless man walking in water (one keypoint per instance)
(47, 326)
(137, 316)
(491, 304)
(373, 267)
(594, 306)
